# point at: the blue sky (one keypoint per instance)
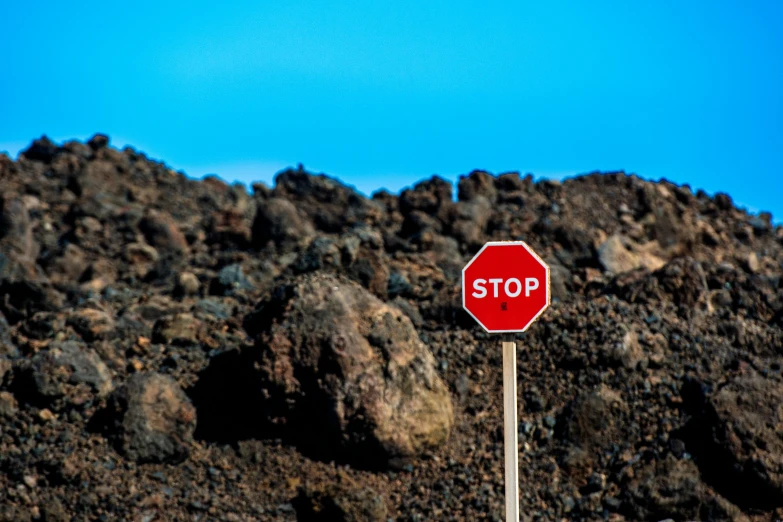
(382, 94)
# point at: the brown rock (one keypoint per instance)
(278, 220)
(325, 202)
(230, 227)
(92, 324)
(42, 149)
(69, 266)
(752, 263)
(46, 415)
(470, 221)
(69, 370)
(18, 248)
(343, 501)
(141, 257)
(353, 368)
(432, 197)
(628, 352)
(370, 269)
(477, 184)
(672, 488)
(617, 258)
(187, 284)
(153, 419)
(162, 232)
(8, 405)
(746, 422)
(98, 141)
(5, 369)
(681, 281)
(560, 279)
(99, 275)
(181, 328)
(590, 420)
(97, 176)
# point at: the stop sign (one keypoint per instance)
(505, 287)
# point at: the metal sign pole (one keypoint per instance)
(510, 429)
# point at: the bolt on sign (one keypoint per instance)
(505, 287)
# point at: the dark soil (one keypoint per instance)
(170, 348)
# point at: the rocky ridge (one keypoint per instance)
(173, 349)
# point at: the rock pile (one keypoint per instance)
(173, 349)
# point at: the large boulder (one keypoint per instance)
(335, 359)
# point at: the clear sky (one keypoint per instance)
(382, 94)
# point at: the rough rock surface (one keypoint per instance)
(67, 373)
(129, 316)
(335, 359)
(153, 419)
(343, 501)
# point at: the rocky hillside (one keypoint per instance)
(174, 349)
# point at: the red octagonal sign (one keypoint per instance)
(505, 287)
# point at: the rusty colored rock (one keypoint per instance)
(162, 232)
(153, 419)
(336, 358)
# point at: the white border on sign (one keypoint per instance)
(530, 250)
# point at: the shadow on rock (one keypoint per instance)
(733, 436)
(226, 402)
(335, 371)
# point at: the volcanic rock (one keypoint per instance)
(162, 232)
(92, 324)
(672, 488)
(279, 221)
(187, 284)
(18, 248)
(616, 258)
(477, 184)
(180, 329)
(230, 279)
(744, 424)
(590, 420)
(648, 388)
(344, 501)
(69, 266)
(336, 359)
(152, 419)
(69, 371)
(8, 405)
(331, 206)
(42, 149)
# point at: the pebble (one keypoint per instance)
(187, 284)
(46, 415)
